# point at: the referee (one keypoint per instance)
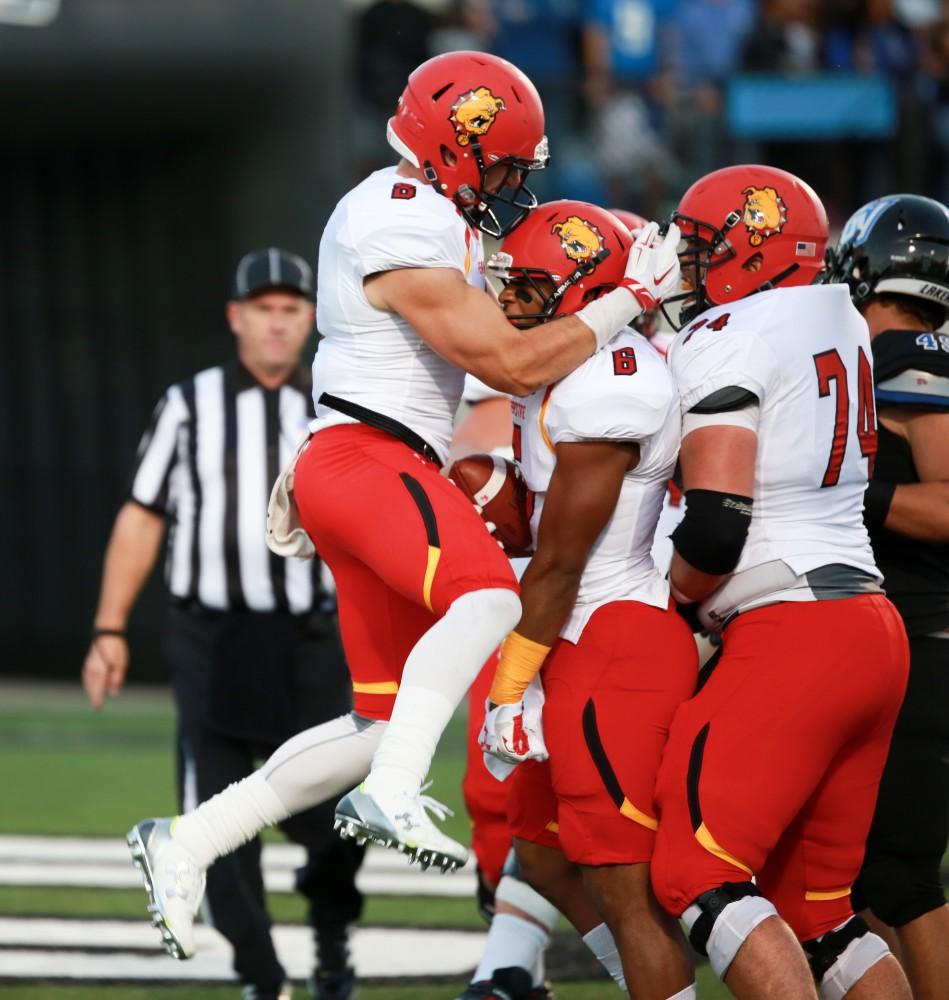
(251, 641)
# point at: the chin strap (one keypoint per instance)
(777, 279)
(431, 176)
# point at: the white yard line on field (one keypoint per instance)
(54, 949)
(104, 863)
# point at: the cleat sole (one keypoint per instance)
(350, 826)
(169, 942)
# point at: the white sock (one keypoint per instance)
(687, 994)
(600, 942)
(229, 819)
(512, 940)
(308, 769)
(539, 972)
(438, 672)
(527, 902)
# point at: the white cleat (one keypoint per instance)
(400, 820)
(173, 880)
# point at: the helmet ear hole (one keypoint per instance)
(449, 158)
(590, 294)
(753, 263)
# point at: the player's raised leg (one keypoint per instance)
(173, 853)
(400, 518)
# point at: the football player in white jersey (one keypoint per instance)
(425, 594)
(596, 449)
(403, 309)
(771, 770)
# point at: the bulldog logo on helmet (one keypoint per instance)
(764, 213)
(473, 113)
(581, 240)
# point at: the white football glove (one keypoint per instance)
(652, 270)
(509, 736)
(652, 273)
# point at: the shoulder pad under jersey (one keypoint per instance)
(726, 400)
(911, 368)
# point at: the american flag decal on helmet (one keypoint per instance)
(804, 249)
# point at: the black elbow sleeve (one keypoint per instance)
(712, 534)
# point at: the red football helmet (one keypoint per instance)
(463, 113)
(747, 229)
(630, 220)
(577, 247)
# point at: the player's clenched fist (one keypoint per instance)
(509, 737)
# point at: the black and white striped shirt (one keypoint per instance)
(216, 443)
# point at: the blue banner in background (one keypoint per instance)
(828, 106)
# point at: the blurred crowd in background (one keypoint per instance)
(152, 144)
(644, 96)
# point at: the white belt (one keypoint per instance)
(776, 581)
(754, 587)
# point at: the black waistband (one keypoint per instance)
(382, 423)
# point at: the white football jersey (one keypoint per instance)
(476, 391)
(805, 353)
(625, 392)
(673, 510)
(372, 357)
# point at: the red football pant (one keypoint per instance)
(485, 796)
(772, 768)
(402, 543)
(609, 701)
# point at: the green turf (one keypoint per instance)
(114, 767)
(84, 773)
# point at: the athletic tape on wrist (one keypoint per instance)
(521, 660)
(517, 893)
(609, 314)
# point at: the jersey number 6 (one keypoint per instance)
(830, 368)
(624, 361)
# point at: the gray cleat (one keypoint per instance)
(400, 820)
(173, 880)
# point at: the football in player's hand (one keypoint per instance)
(496, 486)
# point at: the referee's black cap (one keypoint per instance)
(272, 268)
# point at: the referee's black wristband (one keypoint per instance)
(876, 502)
(97, 632)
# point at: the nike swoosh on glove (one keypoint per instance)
(652, 269)
(508, 735)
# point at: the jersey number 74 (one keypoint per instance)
(831, 369)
